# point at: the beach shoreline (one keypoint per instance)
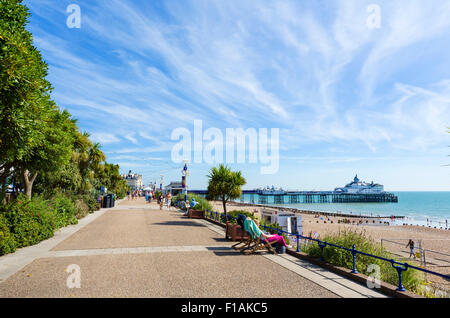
(393, 220)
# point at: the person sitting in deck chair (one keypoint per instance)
(260, 240)
(272, 237)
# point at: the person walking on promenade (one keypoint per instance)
(161, 201)
(411, 248)
(169, 199)
(128, 195)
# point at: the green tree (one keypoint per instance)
(225, 184)
(39, 142)
(24, 91)
(53, 149)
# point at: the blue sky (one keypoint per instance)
(347, 98)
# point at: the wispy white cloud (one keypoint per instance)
(131, 138)
(104, 138)
(314, 70)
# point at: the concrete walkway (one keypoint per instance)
(136, 250)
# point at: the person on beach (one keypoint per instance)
(411, 248)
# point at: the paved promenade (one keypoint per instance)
(136, 250)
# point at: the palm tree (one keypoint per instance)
(96, 156)
(225, 184)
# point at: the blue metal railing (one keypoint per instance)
(398, 266)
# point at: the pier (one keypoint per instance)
(291, 197)
(324, 213)
(319, 197)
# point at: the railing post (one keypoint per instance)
(298, 243)
(400, 270)
(322, 246)
(354, 271)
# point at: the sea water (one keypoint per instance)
(421, 208)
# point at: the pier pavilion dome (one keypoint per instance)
(357, 186)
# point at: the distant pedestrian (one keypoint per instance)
(169, 199)
(193, 203)
(411, 248)
(186, 205)
(161, 201)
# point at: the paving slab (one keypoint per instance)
(177, 275)
(137, 228)
(138, 250)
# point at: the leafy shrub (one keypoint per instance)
(81, 209)
(25, 222)
(64, 209)
(232, 215)
(91, 202)
(202, 203)
(30, 221)
(7, 242)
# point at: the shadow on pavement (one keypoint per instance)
(230, 253)
(180, 223)
(218, 239)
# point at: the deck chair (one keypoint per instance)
(257, 243)
(242, 243)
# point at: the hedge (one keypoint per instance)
(25, 222)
